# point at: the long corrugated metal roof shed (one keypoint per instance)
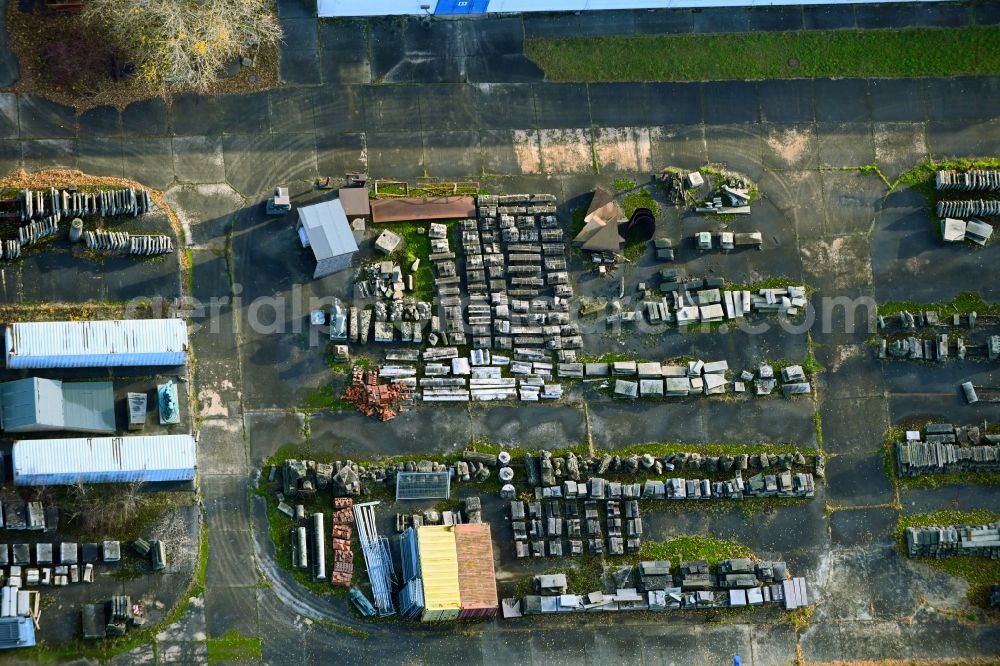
(477, 577)
(421, 209)
(89, 344)
(327, 229)
(439, 567)
(149, 458)
(36, 405)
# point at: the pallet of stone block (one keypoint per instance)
(444, 394)
(985, 180)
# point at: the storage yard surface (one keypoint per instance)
(826, 224)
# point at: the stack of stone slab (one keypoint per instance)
(102, 240)
(516, 255)
(37, 204)
(946, 448)
(940, 541)
(974, 180)
(691, 301)
(968, 208)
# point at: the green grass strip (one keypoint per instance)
(814, 54)
(234, 647)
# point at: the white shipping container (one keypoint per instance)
(150, 458)
(91, 344)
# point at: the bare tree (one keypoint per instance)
(185, 41)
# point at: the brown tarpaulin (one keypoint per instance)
(420, 209)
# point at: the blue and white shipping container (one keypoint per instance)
(148, 458)
(97, 344)
(332, 8)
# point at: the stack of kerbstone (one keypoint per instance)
(941, 541)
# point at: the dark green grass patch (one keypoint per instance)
(770, 55)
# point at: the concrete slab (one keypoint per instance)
(292, 111)
(500, 36)
(9, 128)
(564, 151)
(730, 102)
(145, 117)
(897, 100)
(101, 120)
(101, 156)
(844, 144)
(850, 370)
(344, 52)
(678, 146)
(192, 115)
(790, 147)
(453, 154)
(149, 161)
(852, 201)
(226, 504)
(245, 114)
(840, 264)
(697, 420)
(269, 431)
(798, 196)
(899, 147)
(673, 103)
(737, 147)
(10, 155)
(300, 33)
(198, 159)
(396, 154)
(391, 109)
(721, 19)
(40, 118)
(828, 17)
(561, 105)
(341, 153)
(949, 497)
(962, 139)
(220, 447)
(448, 107)
(785, 101)
(293, 161)
(624, 149)
(860, 434)
(339, 110)
(853, 527)
(842, 100)
(296, 8)
(186, 652)
(207, 212)
(504, 106)
(858, 480)
(232, 608)
(39, 154)
(352, 434)
(962, 98)
(774, 19)
(502, 69)
(497, 151)
(300, 67)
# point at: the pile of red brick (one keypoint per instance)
(343, 556)
(381, 401)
